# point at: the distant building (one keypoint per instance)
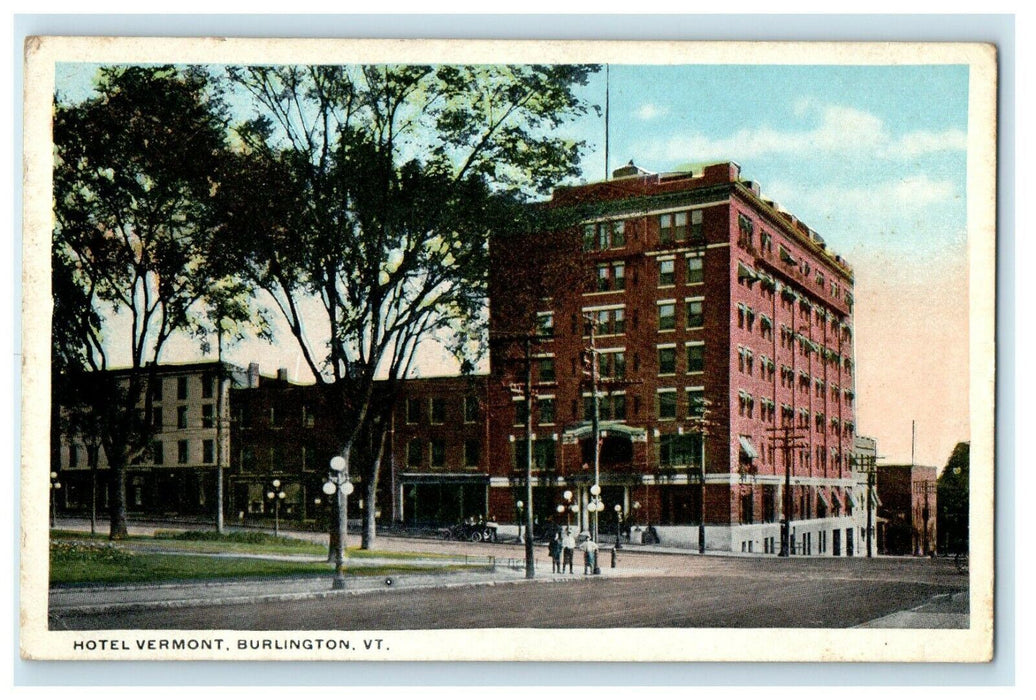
(177, 474)
(907, 510)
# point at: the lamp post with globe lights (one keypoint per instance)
(338, 483)
(55, 486)
(276, 495)
(568, 507)
(618, 525)
(595, 507)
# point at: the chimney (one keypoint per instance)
(253, 375)
(282, 374)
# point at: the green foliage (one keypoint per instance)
(953, 498)
(257, 538)
(78, 552)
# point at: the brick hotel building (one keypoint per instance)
(709, 306)
(701, 294)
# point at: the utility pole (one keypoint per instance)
(530, 563)
(868, 464)
(595, 422)
(703, 424)
(221, 388)
(786, 438)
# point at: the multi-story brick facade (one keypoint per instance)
(708, 305)
(177, 474)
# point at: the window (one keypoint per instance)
(745, 228)
(667, 404)
(606, 234)
(470, 409)
(612, 364)
(766, 242)
(820, 280)
(667, 316)
(156, 418)
(207, 451)
(607, 321)
(308, 419)
(521, 412)
(695, 270)
(547, 369)
(695, 357)
(157, 452)
(414, 453)
(207, 420)
(695, 402)
(667, 360)
(413, 410)
(697, 228)
(181, 452)
(181, 417)
(156, 390)
(672, 227)
(438, 413)
(207, 382)
(666, 272)
(546, 405)
(695, 313)
(438, 453)
(181, 388)
(545, 324)
(611, 277)
(676, 450)
(471, 453)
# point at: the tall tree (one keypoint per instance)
(953, 499)
(133, 178)
(372, 190)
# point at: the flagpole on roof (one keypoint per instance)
(607, 99)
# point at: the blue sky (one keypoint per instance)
(871, 157)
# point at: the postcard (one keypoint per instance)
(363, 350)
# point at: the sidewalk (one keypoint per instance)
(941, 612)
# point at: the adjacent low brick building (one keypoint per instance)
(907, 511)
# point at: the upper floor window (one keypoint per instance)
(695, 313)
(695, 357)
(470, 409)
(438, 413)
(608, 321)
(472, 450)
(695, 270)
(666, 272)
(207, 416)
(604, 235)
(545, 324)
(181, 388)
(666, 404)
(413, 410)
(745, 229)
(414, 453)
(207, 383)
(612, 364)
(546, 406)
(611, 277)
(666, 316)
(667, 360)
(438, 450)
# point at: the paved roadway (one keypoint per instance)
(648, 589)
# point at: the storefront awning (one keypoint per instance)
(746, 447)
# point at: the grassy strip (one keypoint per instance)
(210, 542)
(88, 563)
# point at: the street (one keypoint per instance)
(645, 590)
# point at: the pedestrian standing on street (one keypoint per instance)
(555, 553)
(589, 548)
(568, 548)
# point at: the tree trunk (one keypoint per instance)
(117, 496)
(370, 491)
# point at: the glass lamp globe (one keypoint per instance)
(338, 463)
(595, 490)
(328, 488)
(348, 488)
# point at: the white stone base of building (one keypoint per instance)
(815, 537)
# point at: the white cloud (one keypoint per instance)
(838, 131)
(650, 111)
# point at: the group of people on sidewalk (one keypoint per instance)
(562, 549)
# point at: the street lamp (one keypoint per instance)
(338, 482)
(618, 525)
(520, 505)
(276, 495)
(55, 485)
